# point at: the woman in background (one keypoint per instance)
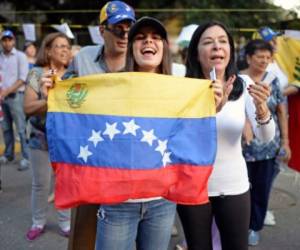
(261, 157)
(53, 58)
(30, 51)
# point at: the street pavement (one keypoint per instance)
(15, 215)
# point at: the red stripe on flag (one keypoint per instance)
(181, 183)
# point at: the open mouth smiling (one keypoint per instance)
(148, 51)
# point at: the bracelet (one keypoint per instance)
(262, 122)
(263, 115)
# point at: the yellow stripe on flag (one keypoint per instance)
(134, 94)
(288, 58)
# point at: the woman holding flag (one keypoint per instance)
(146, 222)
(212, 47)
(130, 183)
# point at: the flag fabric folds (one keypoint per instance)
(288, 58)
(114, 137)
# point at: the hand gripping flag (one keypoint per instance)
(114, 137)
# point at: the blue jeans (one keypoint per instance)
(148, 224)
(13, 112)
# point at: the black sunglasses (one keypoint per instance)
(118, 32)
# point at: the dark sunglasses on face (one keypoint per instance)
(117, 31)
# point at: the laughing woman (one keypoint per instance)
(146, 222)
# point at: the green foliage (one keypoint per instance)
(220, 10)
(239, 19)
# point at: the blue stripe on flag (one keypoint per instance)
(130, 143)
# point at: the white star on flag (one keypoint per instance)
(130, 127)
(162, 146)
(166, 158)
(148, 137)
(84, 153)
(96, 137)
(111, 130)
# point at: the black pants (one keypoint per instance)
(232, 215)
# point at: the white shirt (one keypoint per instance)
(229, 176)
(178, 69)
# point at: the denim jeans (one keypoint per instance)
(148, 224)
(13, 112)
(41, 179)
(261, 175)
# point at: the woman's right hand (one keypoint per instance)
(222, 91)
(47, 82)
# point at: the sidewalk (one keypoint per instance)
(15, 215)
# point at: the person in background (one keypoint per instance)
(13, 71)
(52, 59)
(75, 49)
(212, 47)
(261, 158)
(30, 51)
(183, 40)
(270, 36)
(116, 18)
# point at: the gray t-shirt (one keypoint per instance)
(89, 60)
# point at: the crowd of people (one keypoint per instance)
(252, 126)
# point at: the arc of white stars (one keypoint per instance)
(148, 137)
(111, 130)
(130, 127)
(162, 146)
(84, 153)
(95, 137)
(166, 158)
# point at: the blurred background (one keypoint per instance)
(243, 17)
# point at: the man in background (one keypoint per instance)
(13, 72)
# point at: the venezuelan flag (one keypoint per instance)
(114, 137)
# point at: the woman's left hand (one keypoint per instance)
(260, 93)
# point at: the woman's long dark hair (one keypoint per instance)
(194, 68)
